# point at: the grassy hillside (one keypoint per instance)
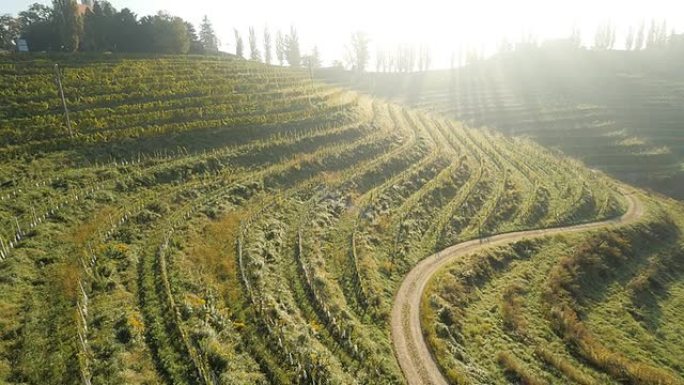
(617, 111)
(224, 222)
(597, 308)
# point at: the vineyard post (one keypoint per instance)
(18, 228)
(61, 94)
(312, 80)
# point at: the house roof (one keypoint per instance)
(81, 9)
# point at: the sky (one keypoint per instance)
(445, 26)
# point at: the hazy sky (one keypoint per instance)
(444, 25)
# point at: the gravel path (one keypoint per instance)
(410, 347)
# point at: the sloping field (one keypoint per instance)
(225, 222)
(600, 307)
(617, 111)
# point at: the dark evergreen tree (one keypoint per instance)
(69, 24)
(196, 46)
(99, 27)
(129, 35)
(207, 36)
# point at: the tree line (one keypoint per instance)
(98, 27)
(68, 26)
(657, 36)
(285, 47)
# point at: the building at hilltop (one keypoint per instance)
(83, 7)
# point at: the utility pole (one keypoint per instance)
(61, 93)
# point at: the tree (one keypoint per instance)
(576, 37)
(196, 46)
(313, 60)
(239, 46)
(424, 59)
(98, 27)
(69, 24)
(629, 40)
(652, 35)
(380, 60)
(292, 53)
(406, 58)
(315, 57)
(37, 27)
(168, 34)
(358, 51)
(9, 32)
(662, 35)
(505, 46)
(639, 41)
(657, 35)
(411, 59)
(280, 48)
(207, 36)
(128, 36)
(268, 55)
(254, 53)
(605, 37)
(36, 13)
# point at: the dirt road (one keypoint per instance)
(410, 347)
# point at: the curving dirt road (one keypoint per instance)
(410, 348)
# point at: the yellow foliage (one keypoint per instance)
(193, 300)
(136, 323)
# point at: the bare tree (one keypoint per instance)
(629, 40)
(652, 35)
(268, 55)
(313, 60)
(239, 45)
(410, 59)
(292, 52)
(662, 34)
(280, 48)
(380, 60)
(424, 58)
(254, 53)
(357, 52)
(639, 41)
(576, 37)
(605, 37)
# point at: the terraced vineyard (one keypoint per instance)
(617, 111)
(219, 221)
(592, 308)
